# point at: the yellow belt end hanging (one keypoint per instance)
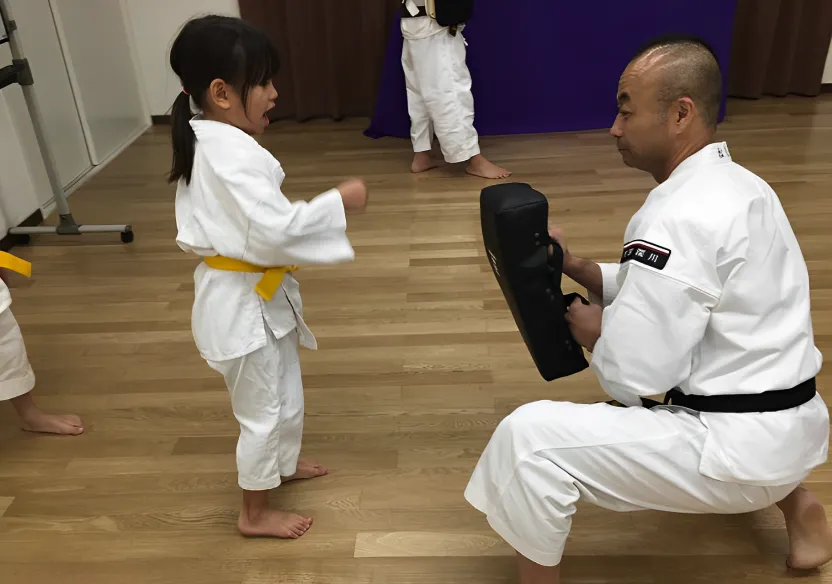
(269, 283)
(15, 264)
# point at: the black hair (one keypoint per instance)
(208, 48)
(696, 73)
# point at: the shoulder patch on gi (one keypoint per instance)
(646, 253)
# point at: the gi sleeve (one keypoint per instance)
(312, 232)
(659, 316)
(609, 284)
(275, 231)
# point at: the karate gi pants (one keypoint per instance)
(439, 98)
(546, 456)
(267, 399)
(16, 375)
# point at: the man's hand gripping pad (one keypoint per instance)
(516, 236)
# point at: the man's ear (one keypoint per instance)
(685, 110)
(219, 94)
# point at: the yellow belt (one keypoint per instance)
(268, 284)
(15, 264)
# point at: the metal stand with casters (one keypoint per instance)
(19, 72)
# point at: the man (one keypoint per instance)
(439, 94)
(711, 297)
(17, 380)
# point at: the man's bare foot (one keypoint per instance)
(531, 573)
(422, 161)
(479, 165)
(271, 523)
(67, 425)
(306, 470)
(810, 538)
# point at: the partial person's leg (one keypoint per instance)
(253, 382)
(446, 89)
(17, 380)
(546, 456)
(421, 127)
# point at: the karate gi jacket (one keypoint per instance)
(711, 295)
(234, 207)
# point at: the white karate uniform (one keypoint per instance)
(16, 375)
(439, 98)
(711, 297)
(234, 207)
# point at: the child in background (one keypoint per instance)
(247, 315)
(17, 380)
(439, 98)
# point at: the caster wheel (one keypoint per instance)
(22, 239)
(126, 236)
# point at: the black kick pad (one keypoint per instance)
(515, 232)
(453, 12)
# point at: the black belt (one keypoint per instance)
(768, 401)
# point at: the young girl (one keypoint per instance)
(247, 314)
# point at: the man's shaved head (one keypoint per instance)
(686, 67)
(668, 104)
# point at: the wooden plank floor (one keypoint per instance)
(419, 360)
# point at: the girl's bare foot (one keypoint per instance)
(271, 523)
(67, 425)
(306, 469)
(480, 166)
(422, 161)
(33, 419)
(810, 538)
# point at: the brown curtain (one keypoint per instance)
(332, 53)
(779, 47)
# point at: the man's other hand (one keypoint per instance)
(584, 322)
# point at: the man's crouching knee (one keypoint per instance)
(539, 421)
(505, 484)
(516, 437)
(536, 427)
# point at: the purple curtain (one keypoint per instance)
(553, 65)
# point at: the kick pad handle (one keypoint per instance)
(570, 298)
(557, 256)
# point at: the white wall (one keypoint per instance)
(827, 72)
(155, 24)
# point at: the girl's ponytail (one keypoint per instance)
(183, 139)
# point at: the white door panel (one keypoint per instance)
(39, 41)
(100, 61)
